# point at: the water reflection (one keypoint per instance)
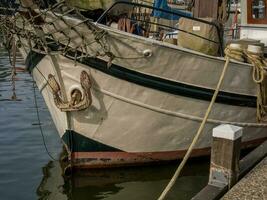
(123, 183)
(5, 70)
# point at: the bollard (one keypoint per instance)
(225, 153)
(224, 164)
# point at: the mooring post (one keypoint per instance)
(225, 154)
(224, 164)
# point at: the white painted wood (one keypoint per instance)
(227, 131)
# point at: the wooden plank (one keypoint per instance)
(206, 8)
(211, 192)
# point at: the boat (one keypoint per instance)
(122, 92)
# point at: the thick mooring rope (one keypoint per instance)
(259, 76)
(259, 65)
(202, 125)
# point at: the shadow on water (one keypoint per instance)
(122, 183)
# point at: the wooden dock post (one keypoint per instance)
(224, 167)
(225, 154)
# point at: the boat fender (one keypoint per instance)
(74, 89)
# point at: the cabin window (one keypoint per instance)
(257, 11)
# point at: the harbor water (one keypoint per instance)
(27, 172)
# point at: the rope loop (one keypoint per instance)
(259, 66)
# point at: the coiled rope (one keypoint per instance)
(259, 74)
(234, 53)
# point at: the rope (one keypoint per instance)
(39, 123)
(38, 116)
(259, 75)
(177, 114)
(10, 43)
(191, 147)
(258, 64)
(234, 53)
(78, 100)
(34, 25)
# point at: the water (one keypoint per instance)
(27, 172)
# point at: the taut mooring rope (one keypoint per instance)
(191, 147)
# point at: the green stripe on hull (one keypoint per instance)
(79, 143)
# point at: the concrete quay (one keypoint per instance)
(252, 187)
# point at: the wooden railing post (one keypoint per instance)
(224, 164)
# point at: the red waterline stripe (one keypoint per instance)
(118, 159)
